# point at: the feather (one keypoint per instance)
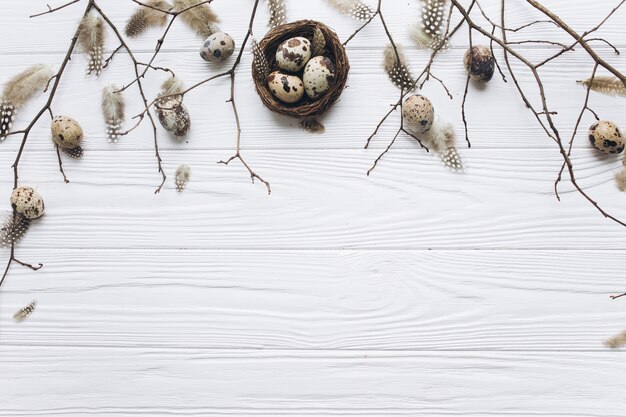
(24, 312)
(312, 125)
(319, 43)
(182, 177)
(20, 89)
(13, 229)
(355, 8)
(75, 153)
(146, 17)
(429, 33)
(91, 40)
(441, 139)
(620, 179)
(616, 341)
(171, 86)
(260, 62)
(396, 68)
(278, 13)
(113, 107)
(200, 18)
(611, 86)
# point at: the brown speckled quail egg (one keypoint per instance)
(606, 137)
(217, 47)
(482, 65)
(66, 132)
(293, 54)
(319, 75)
(286, 88)
(418, 113)
(174, 116)
(27, 202)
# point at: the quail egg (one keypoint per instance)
(286, 88)
(319, 75)
(217, 47)
(606, 137)
(66, 132)
(27, 202)
(293, 54)
(418, 113)
(173, 116)
(482, 65)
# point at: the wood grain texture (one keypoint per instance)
(319, 299)
(414, 291)
(85, 381)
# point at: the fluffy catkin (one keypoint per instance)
(113, 107)
(260, 62)
(278, 13)
(611, 86)
(183, 173)
(24, 312)
(91, 41)
(13, 229)
(396, 68)
(18, 90)
(355, 8)
(429, 32)
(199, 18)
(146, 17)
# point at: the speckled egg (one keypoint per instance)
(418, 113)
(217, 47)
(606, 137)
(319, 75)
(174, 116)
(293, 54)
(286, 88)
(482, 65)
(27, 202)
(66, 132)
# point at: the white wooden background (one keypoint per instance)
(415, 291)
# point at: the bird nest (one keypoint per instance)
(306, 108)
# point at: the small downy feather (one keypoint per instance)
(260, 62)
(14, 227)
(199, 18)
(312, 125)
(278, 13)
(146, 17)
(18, 90)
(355, 8)
(616, 341)
(91, 40)
(611, 86)
(113, 107)
(75, 153)
(24, 312)
(183, 173)
(620, 177)
(429, 33)
(441, 138)
(396, 68)
(173, 85)
(319, 43)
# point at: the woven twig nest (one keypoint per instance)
(306, 108)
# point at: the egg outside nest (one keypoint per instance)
(218, 47)
(173, 116)
(27, 202)
(479, 63)
(67, 134)
(606, 137)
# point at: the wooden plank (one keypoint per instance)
(496, 115)
(163, 382)
(235, 14)
(292, 300)
(322, 199)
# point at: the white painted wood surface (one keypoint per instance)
(414, 291)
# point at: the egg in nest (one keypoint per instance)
(293, 54)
